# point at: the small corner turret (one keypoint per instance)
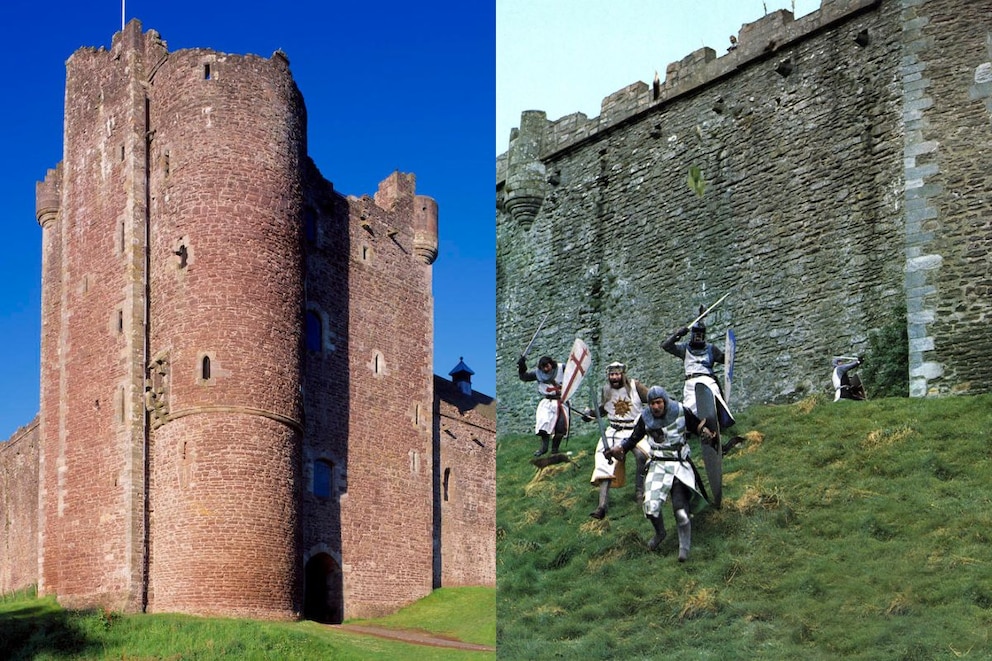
(47, 196)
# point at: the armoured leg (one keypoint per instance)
(659, 532)
(642, 471)
(604, 497)
(555, 442)
(544, 444)
(685, 533)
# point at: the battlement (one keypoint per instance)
(756, 41)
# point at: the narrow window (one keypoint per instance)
(165, 162)
(323, 472)
(122, 152)
(122, 236)
(183, 255)
(120, 321)
(314, 331)
(447, 476)
(205, 368)
(206, 72)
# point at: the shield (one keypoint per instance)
(712, 452)
(576, 368)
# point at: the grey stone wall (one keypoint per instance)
(947, 85)
(840, 184)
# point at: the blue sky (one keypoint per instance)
(565, 56)
(388, 86)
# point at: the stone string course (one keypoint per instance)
(843, 156)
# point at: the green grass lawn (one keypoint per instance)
(33, 628)
(849, 530)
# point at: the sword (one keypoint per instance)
(599, 419)
(531, 343)
(708, 310)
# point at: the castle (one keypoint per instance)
(845, 190)
(238, 412)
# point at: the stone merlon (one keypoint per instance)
(757, 40)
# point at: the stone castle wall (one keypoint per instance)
(466, 498)
(832, 197)
(19, 504)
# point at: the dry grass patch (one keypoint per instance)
(900, 604)
(881, 438)
(754, 439)
(756, 497)
(696, 601)
(804, 406)
(611, 558)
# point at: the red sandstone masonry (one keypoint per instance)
(19, 505)
(181, 415)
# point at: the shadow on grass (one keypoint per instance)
(32, 631)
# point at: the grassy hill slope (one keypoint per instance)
(854, 530)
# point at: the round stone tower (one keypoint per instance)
(226, 285)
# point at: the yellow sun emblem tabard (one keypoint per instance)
(622, 408)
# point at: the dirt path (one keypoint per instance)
(414, 637)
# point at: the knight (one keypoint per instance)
(698, 358)
(663, 424)
(846, 385)
(550, 418)
(620, 401)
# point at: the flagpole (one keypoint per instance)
(122, 14)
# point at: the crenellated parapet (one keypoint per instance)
(757, 41)
(397, 197)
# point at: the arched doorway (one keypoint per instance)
(323, 600)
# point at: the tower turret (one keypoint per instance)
(225, 337)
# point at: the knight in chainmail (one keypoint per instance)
(550, 418)
(620, 401)
(698, 358)
(664, 423)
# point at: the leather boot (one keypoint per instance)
(544, 446)
(604, 495)
(555, 442)
(659, 532)
(685, 533)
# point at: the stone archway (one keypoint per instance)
(323, 594)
